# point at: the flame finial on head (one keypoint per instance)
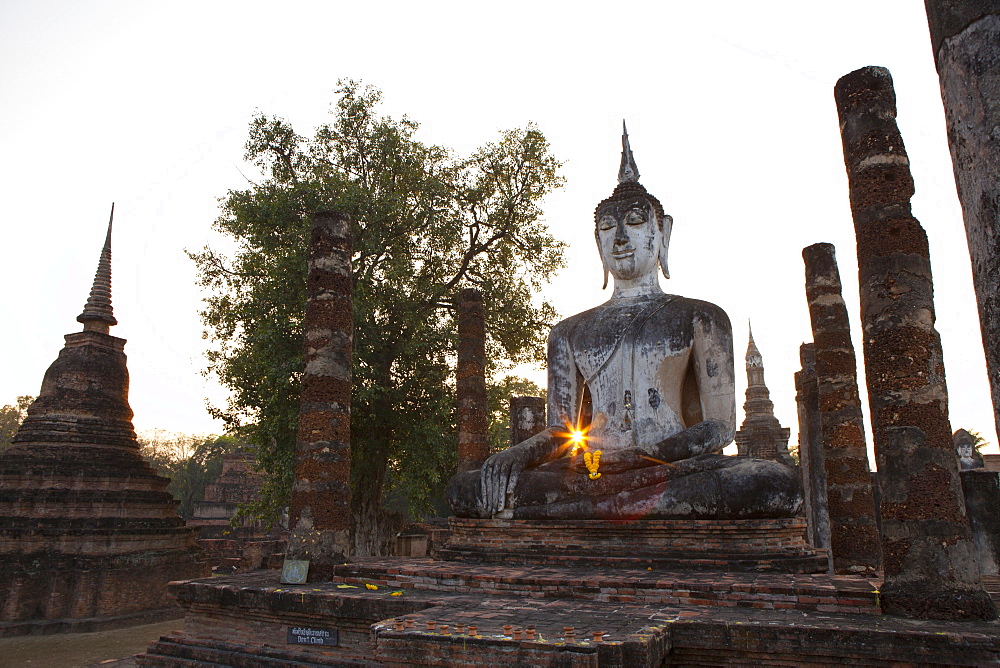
(628, 172)
(98, 315)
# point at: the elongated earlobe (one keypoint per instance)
(597, 238)
(666, 229)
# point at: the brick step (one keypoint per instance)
(791, 561)
(786, 643)
(842, 594)
(174, 651)
(243, 620)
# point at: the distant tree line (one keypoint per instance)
(192, 462)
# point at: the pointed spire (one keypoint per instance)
(754, 358)
(98, 315)
(628, 172)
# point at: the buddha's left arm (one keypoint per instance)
(712, 364)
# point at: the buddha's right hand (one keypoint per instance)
(498, 477)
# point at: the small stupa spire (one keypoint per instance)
(754, 358)
(98, 315)
(628, 172)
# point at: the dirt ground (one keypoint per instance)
(108, 649)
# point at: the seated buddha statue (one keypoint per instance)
(658, 371)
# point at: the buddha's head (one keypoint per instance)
(631, 229)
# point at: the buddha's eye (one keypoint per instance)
(635, 217)
(606, 223)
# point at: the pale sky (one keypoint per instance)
(730, 111)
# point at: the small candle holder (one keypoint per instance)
(398, 625)
(529, 633)
(472, 629)
(569, 632)
(507, 630)
(459, 628)
(517, 634)
(408, 623)
(598, 636)
(431, 625)
(444, 630)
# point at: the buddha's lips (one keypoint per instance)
(622, 255)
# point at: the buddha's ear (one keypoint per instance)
(597, 238)
(666, 227)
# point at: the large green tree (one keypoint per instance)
(426, 224)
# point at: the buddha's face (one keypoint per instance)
(629, 237)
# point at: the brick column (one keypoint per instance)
(811, 449)
(527, 418)
(965, 38)
(320, 508)
(929, 558)
(473, 446)
(853, 530)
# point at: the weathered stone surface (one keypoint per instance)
(965, 37)
(981, 490)
(89, 535)
(659, 372)
(928, 554)
(811, 458)
(470, 383)
(320, 508)
(761, 435)
(965, 447)
(527, 418)
(854, 540)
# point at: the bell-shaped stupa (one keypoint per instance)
(761, 435)
(89, 535)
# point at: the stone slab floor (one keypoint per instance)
(108, 649)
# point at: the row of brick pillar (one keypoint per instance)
(925, 547)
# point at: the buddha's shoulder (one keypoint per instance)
(666, 309)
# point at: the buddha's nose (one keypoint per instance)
(621, 238)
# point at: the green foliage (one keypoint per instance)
(191, 462)
(498, 402)
(425, 224)
(11, 417)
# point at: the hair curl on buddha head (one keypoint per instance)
(627, 190)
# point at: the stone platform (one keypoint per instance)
(649, 618)
(776, 545)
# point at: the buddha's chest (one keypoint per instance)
(634, 362)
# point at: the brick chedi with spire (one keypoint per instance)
(89, 535)
(761, 435)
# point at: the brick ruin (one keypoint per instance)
(319, 514)
(602, 607)
(965, 39)
(854, 540)
(470, 383)
(527, 418)
(761, 435)
(234, 548)
(89, 535)
(811, 449)
(928, 555)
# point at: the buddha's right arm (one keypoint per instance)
(499, 474)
